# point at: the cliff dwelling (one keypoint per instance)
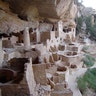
(39, 50)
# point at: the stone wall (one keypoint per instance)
(15, 90)
(30, 79)
(44, 36)
(1, 53)
(6, 44)
(33, 37)
(40, 74)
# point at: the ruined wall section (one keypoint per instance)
(29, 75)
(1, 53)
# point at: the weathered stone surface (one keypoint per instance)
(51, 59)
(39, 16)
(55, 56)
(39, 74)
(52, 70)
(17, 64)
(43, 90)
(56, 6)
(34, 55)
(61, 77)
(9, 22)
(45, 27)
(63, 92)
(44, 36)
(29, 77)
(15, 90)
(1, 53)
(60, 90)
(65, 59)
(61, 47)
(6, 44)
(59, 87)
(55, 79)
(34, 10)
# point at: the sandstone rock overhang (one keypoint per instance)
(15, 15)
(46, 8)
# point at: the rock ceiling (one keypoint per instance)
(17, 14)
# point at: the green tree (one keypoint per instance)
(88, 60)
(79, 24)
(88, 80)
(90, 29)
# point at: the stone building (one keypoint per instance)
(38, 47)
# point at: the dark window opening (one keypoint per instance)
(30, 30)
(21, 41)
(33, 39)
(23, 17)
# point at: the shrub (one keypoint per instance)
(79, 22)
(88, 60)
(88, 80)
(90, 29)
(85, 48)
(81, 84)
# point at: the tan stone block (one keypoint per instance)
(56, 79)
(45, 61)
(48, 65)
(40, 74)
(51, 59)
(6, 44)
(44, 36)
(59, 87)
(55, 56)
(65, 59)
(14, 89)
(59, 78)
(33, 37)
(66, 92)
(56, 34)
(53, 49)
(52, 70)
(61, 47)
(63, 75)
(51, 83)
(75, 48)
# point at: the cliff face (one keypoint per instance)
(37, 10)
(46, 8)
(85, 11)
